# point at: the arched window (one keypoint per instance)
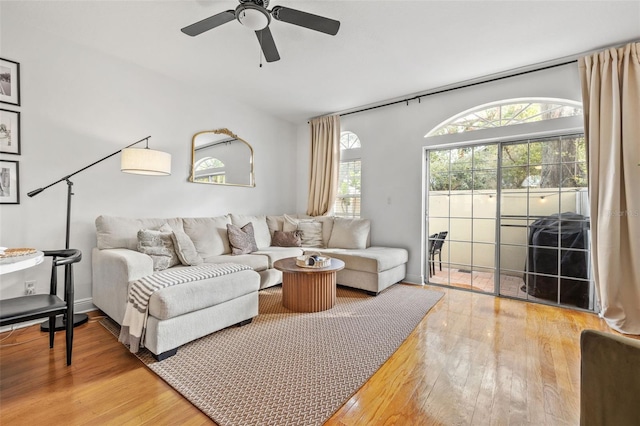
(349, 182)
(506, 113)
(209, 169)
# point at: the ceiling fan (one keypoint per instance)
(254, 15)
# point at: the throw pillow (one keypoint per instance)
(349, 233)
(241, 239)
(311, 230)
(209, 234)
(157, 244)
(185, 249)
(311, 233)
(260, 229)
(287, 239)
(290, 224)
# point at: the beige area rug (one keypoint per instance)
(289, 368)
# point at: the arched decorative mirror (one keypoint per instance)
(222, 158)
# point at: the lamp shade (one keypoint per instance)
(145, 161)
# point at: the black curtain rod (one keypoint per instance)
(458, 87)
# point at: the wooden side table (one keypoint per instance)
(308, 289)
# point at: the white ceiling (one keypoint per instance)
(384, 49)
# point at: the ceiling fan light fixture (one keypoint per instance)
(253, 17)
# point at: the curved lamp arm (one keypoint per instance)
(39, 190)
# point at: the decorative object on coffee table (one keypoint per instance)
(313, 261)
(308, 289)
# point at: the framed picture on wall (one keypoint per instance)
(9, 82)
(9, 132)
(9, 182)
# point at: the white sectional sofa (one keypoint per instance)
(185, 312)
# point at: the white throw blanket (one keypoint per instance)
(134, 324)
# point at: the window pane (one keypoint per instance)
(347, 206)
(550, 176)
(461, 204)
(439, 181)
(461, 159)
(544, 152)
(514, 231)
(460, 229)
(513, 259)
(460, 253)
(349, 140)
(484, 230)
(514, 203)
(507, 113)
(438, 205)
(484, 256)
(543, 203)
(485, 157)
(484, 204)
(515, 154)
(485, 180)
(573, 149)
(439, 161)
(517, 177)
(461, 181)
(437, 225)
(348, 200)
(574, 175)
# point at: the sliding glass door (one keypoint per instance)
(462, 198)
(511, 218)
(544, 222)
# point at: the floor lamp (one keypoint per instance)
(142, 161)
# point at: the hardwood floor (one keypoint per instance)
(474, 359)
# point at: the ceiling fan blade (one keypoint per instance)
(268, 45)
(209, 23)
(306, 20)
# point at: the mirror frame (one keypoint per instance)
(223, 131)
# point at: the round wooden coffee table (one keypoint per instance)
(308, 289)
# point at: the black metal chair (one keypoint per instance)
(436, 241)
(27, 308)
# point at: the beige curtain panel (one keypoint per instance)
(325, 162)
(611, 97)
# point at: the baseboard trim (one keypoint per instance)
(413, 279)
(84, 305)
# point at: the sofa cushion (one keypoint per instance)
(286, 239)
(327, 227)
(158, 244)
(256, 261)
(349, 233)
(185, 249)
(209, 234)
(122, 232)
(181, 299)
(275, 223)
(260, 228)
(311, 230)
(277, 253)
(372, 259)
(241, 239)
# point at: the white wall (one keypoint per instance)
(392, 146)
(79, 105)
